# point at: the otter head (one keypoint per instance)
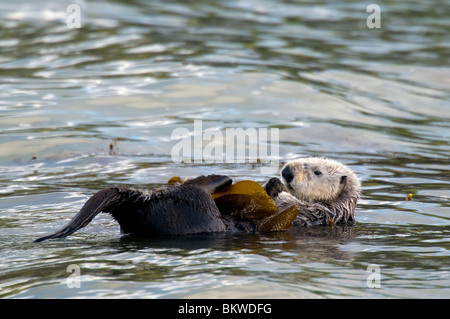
(319, 179)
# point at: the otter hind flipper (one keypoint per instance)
(99, 202)
(211, 183)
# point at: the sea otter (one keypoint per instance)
(205, 204)
(323, 190)
(314, 191)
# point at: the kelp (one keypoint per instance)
(247, 200)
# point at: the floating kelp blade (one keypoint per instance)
(249, 200)
(175, 180)
(282, 220)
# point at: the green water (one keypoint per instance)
(375, 99)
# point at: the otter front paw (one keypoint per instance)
(273, 187)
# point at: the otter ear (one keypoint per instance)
(343, 179)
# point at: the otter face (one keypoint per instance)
(315, 179)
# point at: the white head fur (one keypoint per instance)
(320, 184)
(318, 179)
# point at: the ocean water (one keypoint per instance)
(86, 108)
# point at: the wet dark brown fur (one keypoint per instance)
(174, 210)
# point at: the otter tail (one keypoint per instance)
(99, 202)
(188, 208)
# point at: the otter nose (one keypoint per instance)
(287, 174)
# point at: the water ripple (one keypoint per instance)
(83, 109)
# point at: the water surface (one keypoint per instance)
(83, 109)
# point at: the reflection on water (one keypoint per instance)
(82, 109)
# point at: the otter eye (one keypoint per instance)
(318, 173)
